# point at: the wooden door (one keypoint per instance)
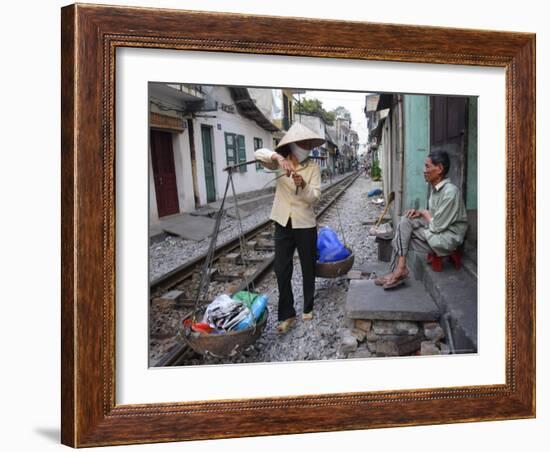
(206, 133)
(164, 173)
(448, 126)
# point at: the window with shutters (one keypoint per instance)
(258, 144)
(235, 150)
(242, 153)
(230, 148)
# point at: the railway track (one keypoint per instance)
(230, 271)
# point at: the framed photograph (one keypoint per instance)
(196, 145)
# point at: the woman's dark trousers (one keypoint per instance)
(286, 242)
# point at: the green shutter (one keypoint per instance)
(258, 144)
(242, 152)
(230, 148)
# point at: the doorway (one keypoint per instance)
(164, 173)
(206, 132)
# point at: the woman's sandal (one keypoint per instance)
(285, 325)
(307, 316)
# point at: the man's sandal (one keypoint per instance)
(381, 280)
(392, 284)
(285, 325)
(307, 315)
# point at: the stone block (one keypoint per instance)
(348, 344)
(364, 325)
(358, 334)
(397, 328)
(354, 274)
(387, 348)
(371, 346)
(409, 344)
(363, 353)
(372, 336)
(445, 349)
(433, 332)
(350, 323)
(402, 345)
(429, 348)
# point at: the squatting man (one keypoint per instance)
(439, 230)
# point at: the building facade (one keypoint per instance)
(197, 131)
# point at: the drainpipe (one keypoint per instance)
(448, 332)
(399, 208)
(193, 162)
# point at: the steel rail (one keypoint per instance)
(179, 352)
(186, 270)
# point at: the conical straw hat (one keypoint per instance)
(301, 135)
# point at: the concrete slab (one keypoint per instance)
(249, 206)
(244, 211)
(456, 293)
(373, 268)
(205, 211)
(365, 300)
(188, 227)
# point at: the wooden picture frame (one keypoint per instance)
(90, 36)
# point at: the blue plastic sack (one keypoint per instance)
(257, 308)
(329, 247)
(375, 192)
(336, 255)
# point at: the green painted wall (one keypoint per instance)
(416, 112)
(471, 174)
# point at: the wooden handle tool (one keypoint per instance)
(390, 200)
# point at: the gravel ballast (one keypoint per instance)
(321, 337)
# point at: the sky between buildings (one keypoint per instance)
(354, 102)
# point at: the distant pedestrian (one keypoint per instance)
(296, 192)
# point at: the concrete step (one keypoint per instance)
(365, 300)
(455, 293)
(188, 227)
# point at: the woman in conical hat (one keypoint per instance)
(292, 212)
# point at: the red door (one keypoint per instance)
(166, 188)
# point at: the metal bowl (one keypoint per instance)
(335, 269)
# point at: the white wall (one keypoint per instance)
(230, 123)
(184, 173)
(263, 98)
(30, 390)
(313, 123)
(153, 207)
